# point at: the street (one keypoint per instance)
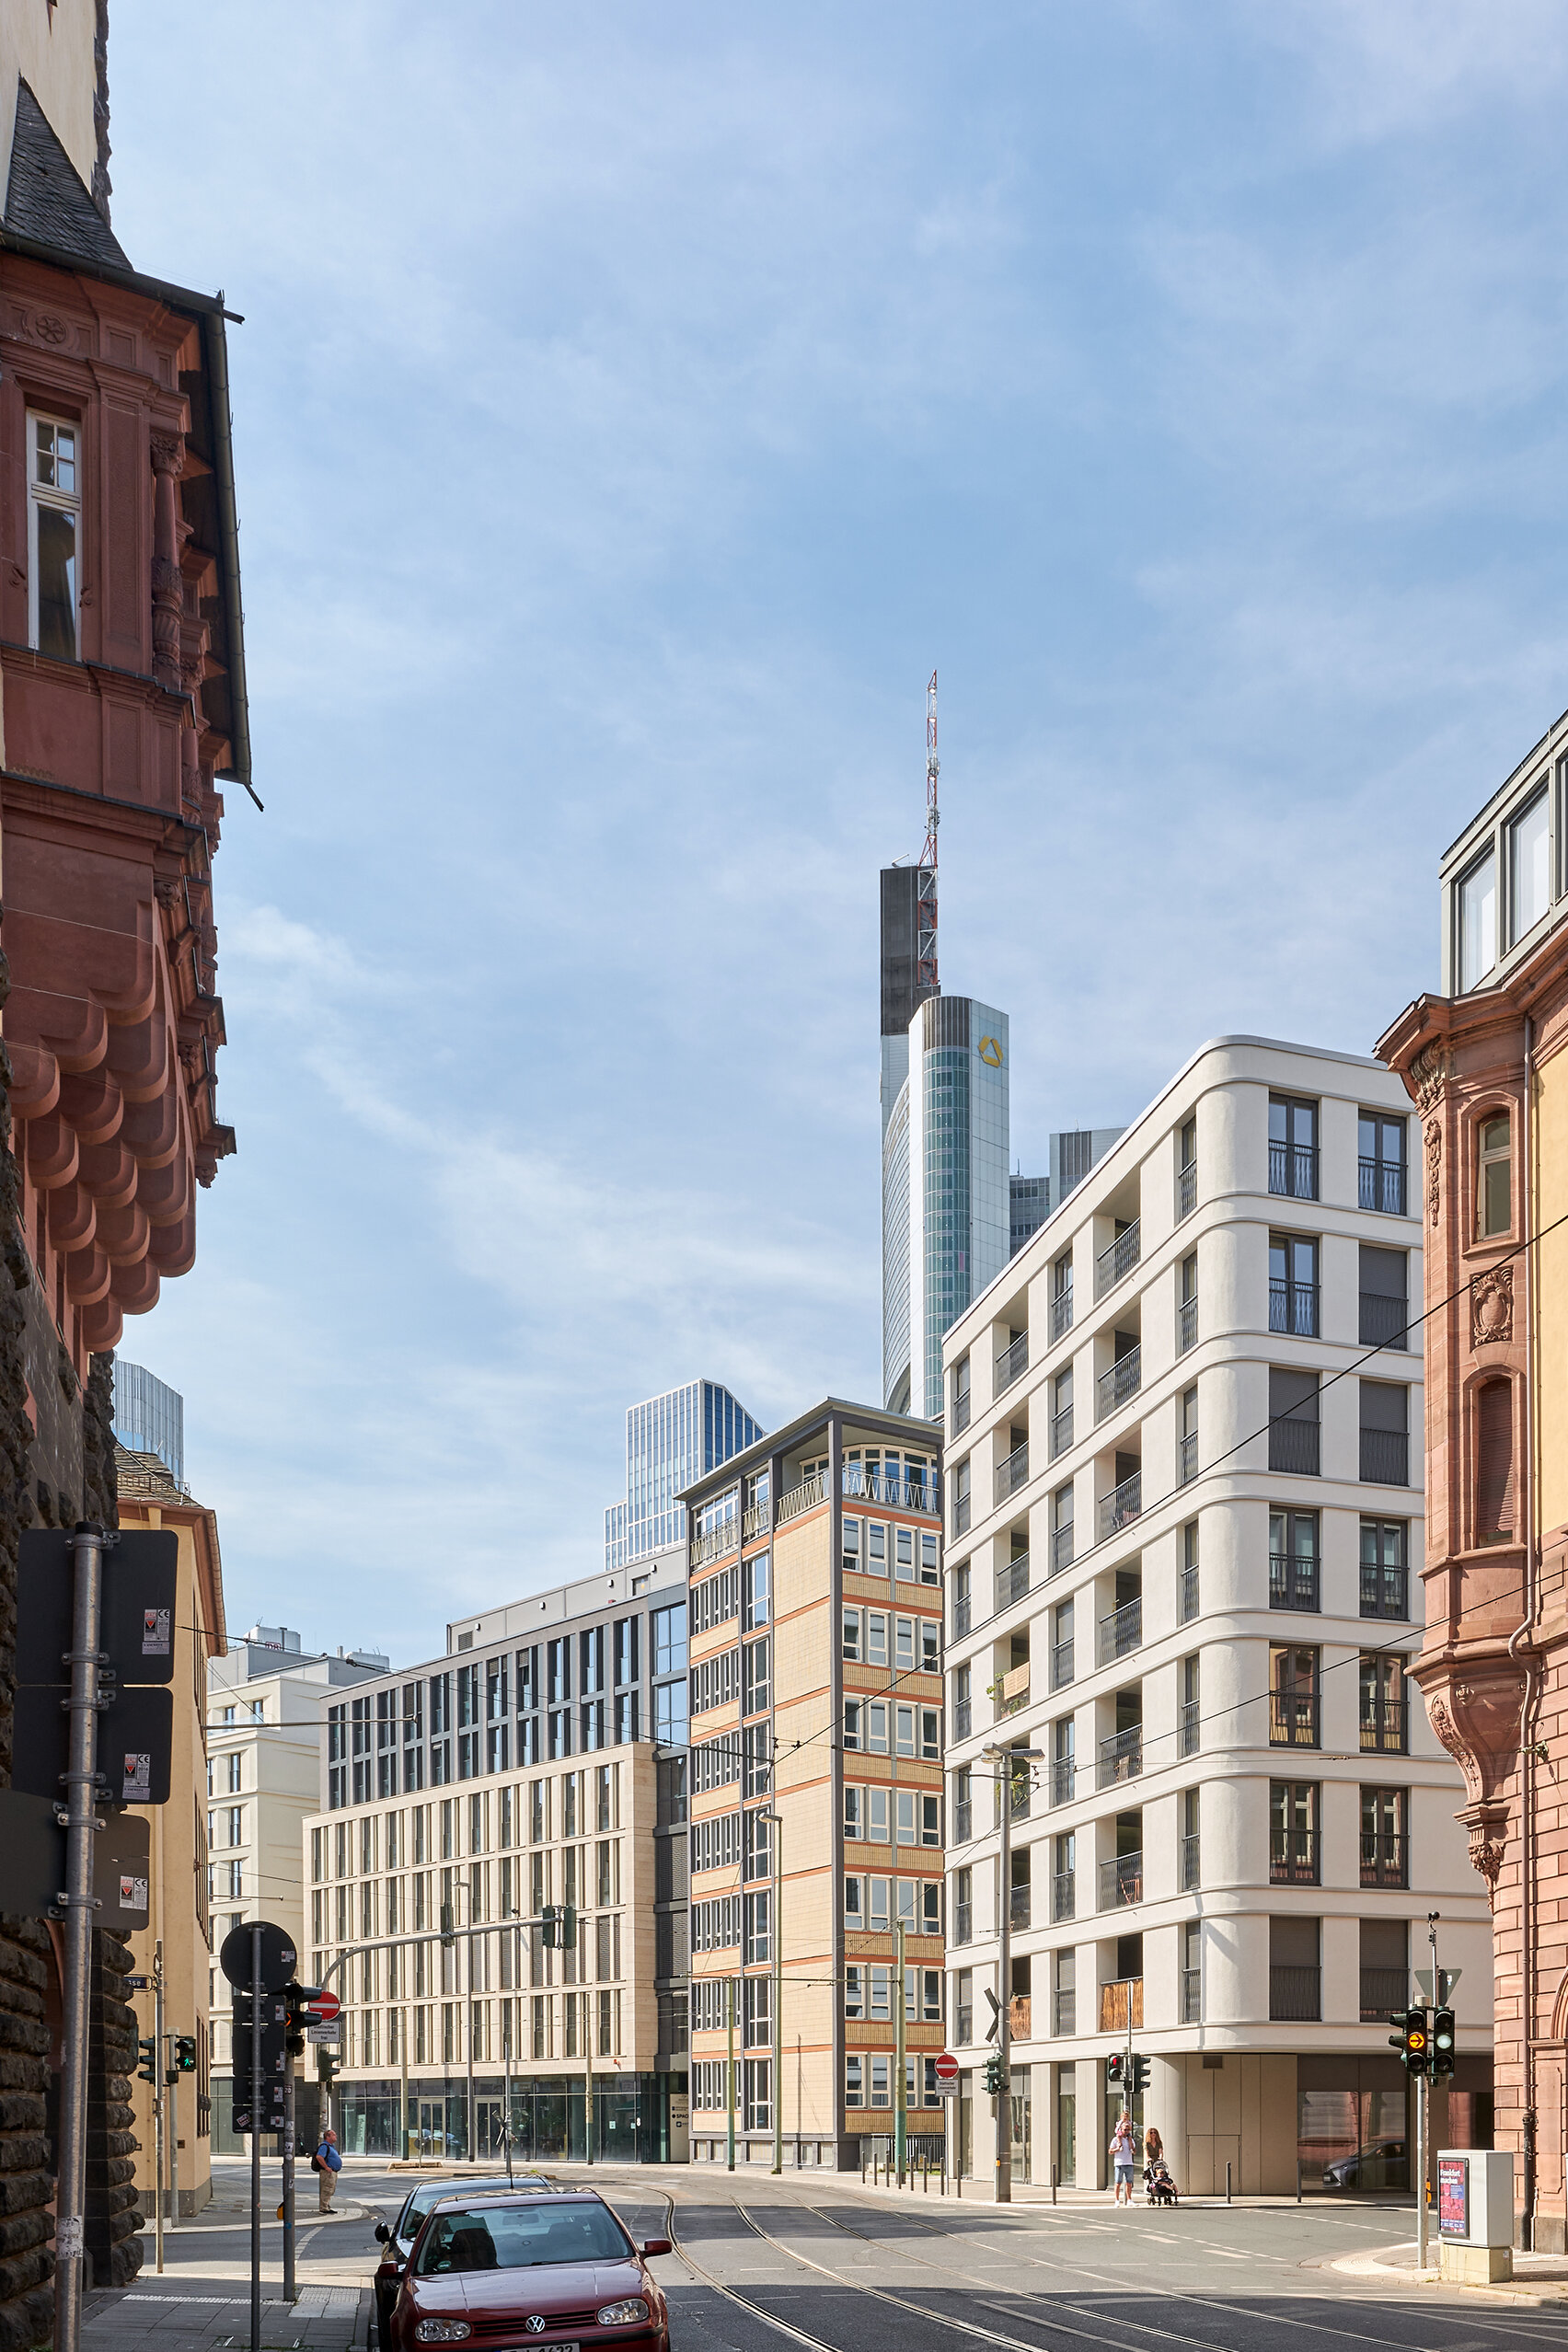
(819, 2262)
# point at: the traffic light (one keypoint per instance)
(448, 1924)
(1116, 2067)
(1442, 2043)
(560, 1927)
(146, 2060)
(185, 2053)
(994, 2074)
(1412, 2042)
(1140, 2075)
(326, 2064)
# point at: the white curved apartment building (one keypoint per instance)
(1183, 1560)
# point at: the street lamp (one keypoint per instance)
(777, 1820)
(1004, 1781)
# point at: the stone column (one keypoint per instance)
(169, 460)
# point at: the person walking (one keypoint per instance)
(1123, 2149)
(327, 2165)
(1154, 2157)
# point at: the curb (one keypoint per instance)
(1549, 2292)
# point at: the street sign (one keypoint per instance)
(140, 1590)
(332, 2033)
(948, 2090)
(278, 1956)
(992, 2028)
(947, 2067)
(1441, 1998)
(135, 1739)
(32, 1862)
(324, 2004)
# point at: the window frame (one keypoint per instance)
(71, 502)
(1485, 1161)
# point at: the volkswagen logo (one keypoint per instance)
(535, 2323)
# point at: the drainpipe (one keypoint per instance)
(1530, 1702)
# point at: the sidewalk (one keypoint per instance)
(325, 2319)
(1539, 2280)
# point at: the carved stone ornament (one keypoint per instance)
(1428, 1071)
(1434, 1163)
(1492, 1306)
(1453, 1740)
(50, 329)
(1486, 1855)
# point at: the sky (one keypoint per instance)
(632, 408)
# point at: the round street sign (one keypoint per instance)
(324, 2005)
(947, 2067)
(278, 1957)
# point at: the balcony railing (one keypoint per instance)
(1192, 1996)
(1018, 2018)
(757, 1521)
(1121, 1758)
(716, 1543)
(961, 1413)
(1192, 1862)
(1294, 1994)
(1293, 1581)
(963, 1820)
(1186, 1190)
(1189, 1593)
(1012, 1691)
(1121, 2004)
(1061, 1665)
(1121, 1881)
(1383, 1186)
(1061, 1549)
(1121, 1506)
(1382, 1991)
(804, 1497)
(1186, 1325)
(1122, 1632)
(1292, 1857)
(962, 1610)
(963, 1718)
(1384, 1591)
(1293, 1307)
(1292, 1719)
(1061, 1431)
(1066, 2010)
(1385, 1457)
(1383, 1860)
(1012, 1582)
(1012, 1473)
(1062, 1893)
(1018, 1907)
(1122, 1380)
(1023, 1794)
(1190, 1727)
(1187, 1459)
(1293, 1171)
(1386, 1730)
(962, 1922)
(1013, 1361)
(1061, 1314)
(891, 1487)
(961, 1513)
(1293, 1446)
(1113, 1265)
(1064, 1779)
(1385, 1322)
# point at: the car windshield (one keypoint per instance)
(419, 2202)
(519, 2237)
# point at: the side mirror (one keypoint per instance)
(383, 2234)
(657, 2247)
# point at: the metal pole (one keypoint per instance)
(173, 2142)
(403, 2045)
(901, 2100)
(157, 2101)
(291, 2285)
(1421, 2116)
(86, 1551)
(468, 2041)
(778, 1992)
(730, 2067)
(257, 2088)
(1003, 1989)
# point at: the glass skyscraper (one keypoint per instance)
(671, 1441)
(149, 1416)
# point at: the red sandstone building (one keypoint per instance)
(121, 707)
(1484, 1063)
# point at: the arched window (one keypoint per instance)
(1495, 1209)
(1494, 1463)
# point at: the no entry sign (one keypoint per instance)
(947, 2067)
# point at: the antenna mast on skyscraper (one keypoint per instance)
(926, 971)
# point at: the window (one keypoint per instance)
(1293, 1696)
(1187, 1436)
(754, 1678)
(1192, 1855)
(1293, 1421)
(852, 1555)
(1383, 1841)
(1384, 1704)
(1062, 1296)
(962, 1906)
(1494, 1208)
(1061, 1646)
(1292, 1148)
(1293, 1833)
(1384, 1315)
(854, 2081)
(1187, 1169)
(1382, 1164)
(1061, 1413)
(1529, 867)
(931, 1566)
(670, 1713)
(1063, 1875)
(55, 521)
(626, 1650)
(1187, 1303)
(962, 1601)
(1061, 1529)
(1293, 1560)
(1478, 922)
(960, 1499)
(1385, 1433)
(963, 2006)
(1064, 1766)
(963, 1712)
(1189, 1594)
(1494, 1463)
(930, 1645)
(961, 1397)
(1065, 2018)
(755, 1576)
(756, 2077)
(1192, 1711)
(669, 1639)
(1383, 1579)
(1192, 1972)
(1293, 1284)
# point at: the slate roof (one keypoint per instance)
(45, 201)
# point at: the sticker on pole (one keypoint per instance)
(136, 1781)
(68, 2239)
(133, 1895)
(156, 1625)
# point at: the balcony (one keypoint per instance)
(1062, 1893)
(1012, 1691)
(1018, 1906)
(1012, 1582)
(960, 1413)
(1385, 1731)
(804, 1497)
(1120, 2005)
(1121, 1506)
(1294, 1994)
(1061, 1314)
(1018, 2018)
(1186, 1190)
(1061, 1665)
(1186, 1325)
(1189, 1593)
(1293, 1307)
(1063, 1781)
(1113, 1265)
(1121, 1881)
(757, 1521)
(1121, 1758)
(1121, 1633)
(1013, 1361)
(716, 1544)
(1022, 1793)
(1292, 1857)
(1383, 1186)
(1384, 1321)
(1011, 1474)
(890, 1487)
(1293, 1581)
(1292, 1719)
(1382, 1991)
(1123, 1380)
(1067, 2011)
(1061, 1431)
(1061, 1549)
(1293, 1446)
(1293, 1171)
(1384, 1861)
(1385, 1457)
(1192, 1863)
(960, 1616)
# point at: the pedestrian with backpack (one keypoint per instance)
(327, 2165)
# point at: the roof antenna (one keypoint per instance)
(925, 888)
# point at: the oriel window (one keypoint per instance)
(54, 523)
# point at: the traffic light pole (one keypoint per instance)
(256, 2135)
(291, 2289)
(1004, 2004)
(173, 2140)
(1422, 2111)
(158, 2100)
(729, 2069)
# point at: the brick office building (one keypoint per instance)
(1484, 1063)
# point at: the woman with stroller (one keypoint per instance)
(1158, 2186)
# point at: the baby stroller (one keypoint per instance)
(1158, 2186)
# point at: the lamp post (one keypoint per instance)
(1006, 1757)
(776, 1819)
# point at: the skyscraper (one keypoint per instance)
(672, 1441)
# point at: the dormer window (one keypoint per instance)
(54, 522)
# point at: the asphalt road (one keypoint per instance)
(817, 2263)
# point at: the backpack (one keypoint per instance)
(314, 2161)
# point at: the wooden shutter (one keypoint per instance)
(1494, 1463)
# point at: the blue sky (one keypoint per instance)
(632, 407)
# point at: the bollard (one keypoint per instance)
(862, 2163)
(958, 2184)
(1228, 2180)
(1052, 2184)
(1299, 2180)
(926, 2178)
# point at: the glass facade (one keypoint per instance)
(671, 1441)
(149, 1417)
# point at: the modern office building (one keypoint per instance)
(540, 1760)
(149, 1416)
(671, 1440)
(1483, 1065)
(1184, 1556)
(1072, 1155)
(816, 1787)
(266, 1703)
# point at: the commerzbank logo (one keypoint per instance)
(991, 1053)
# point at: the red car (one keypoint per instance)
(553, 2267)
